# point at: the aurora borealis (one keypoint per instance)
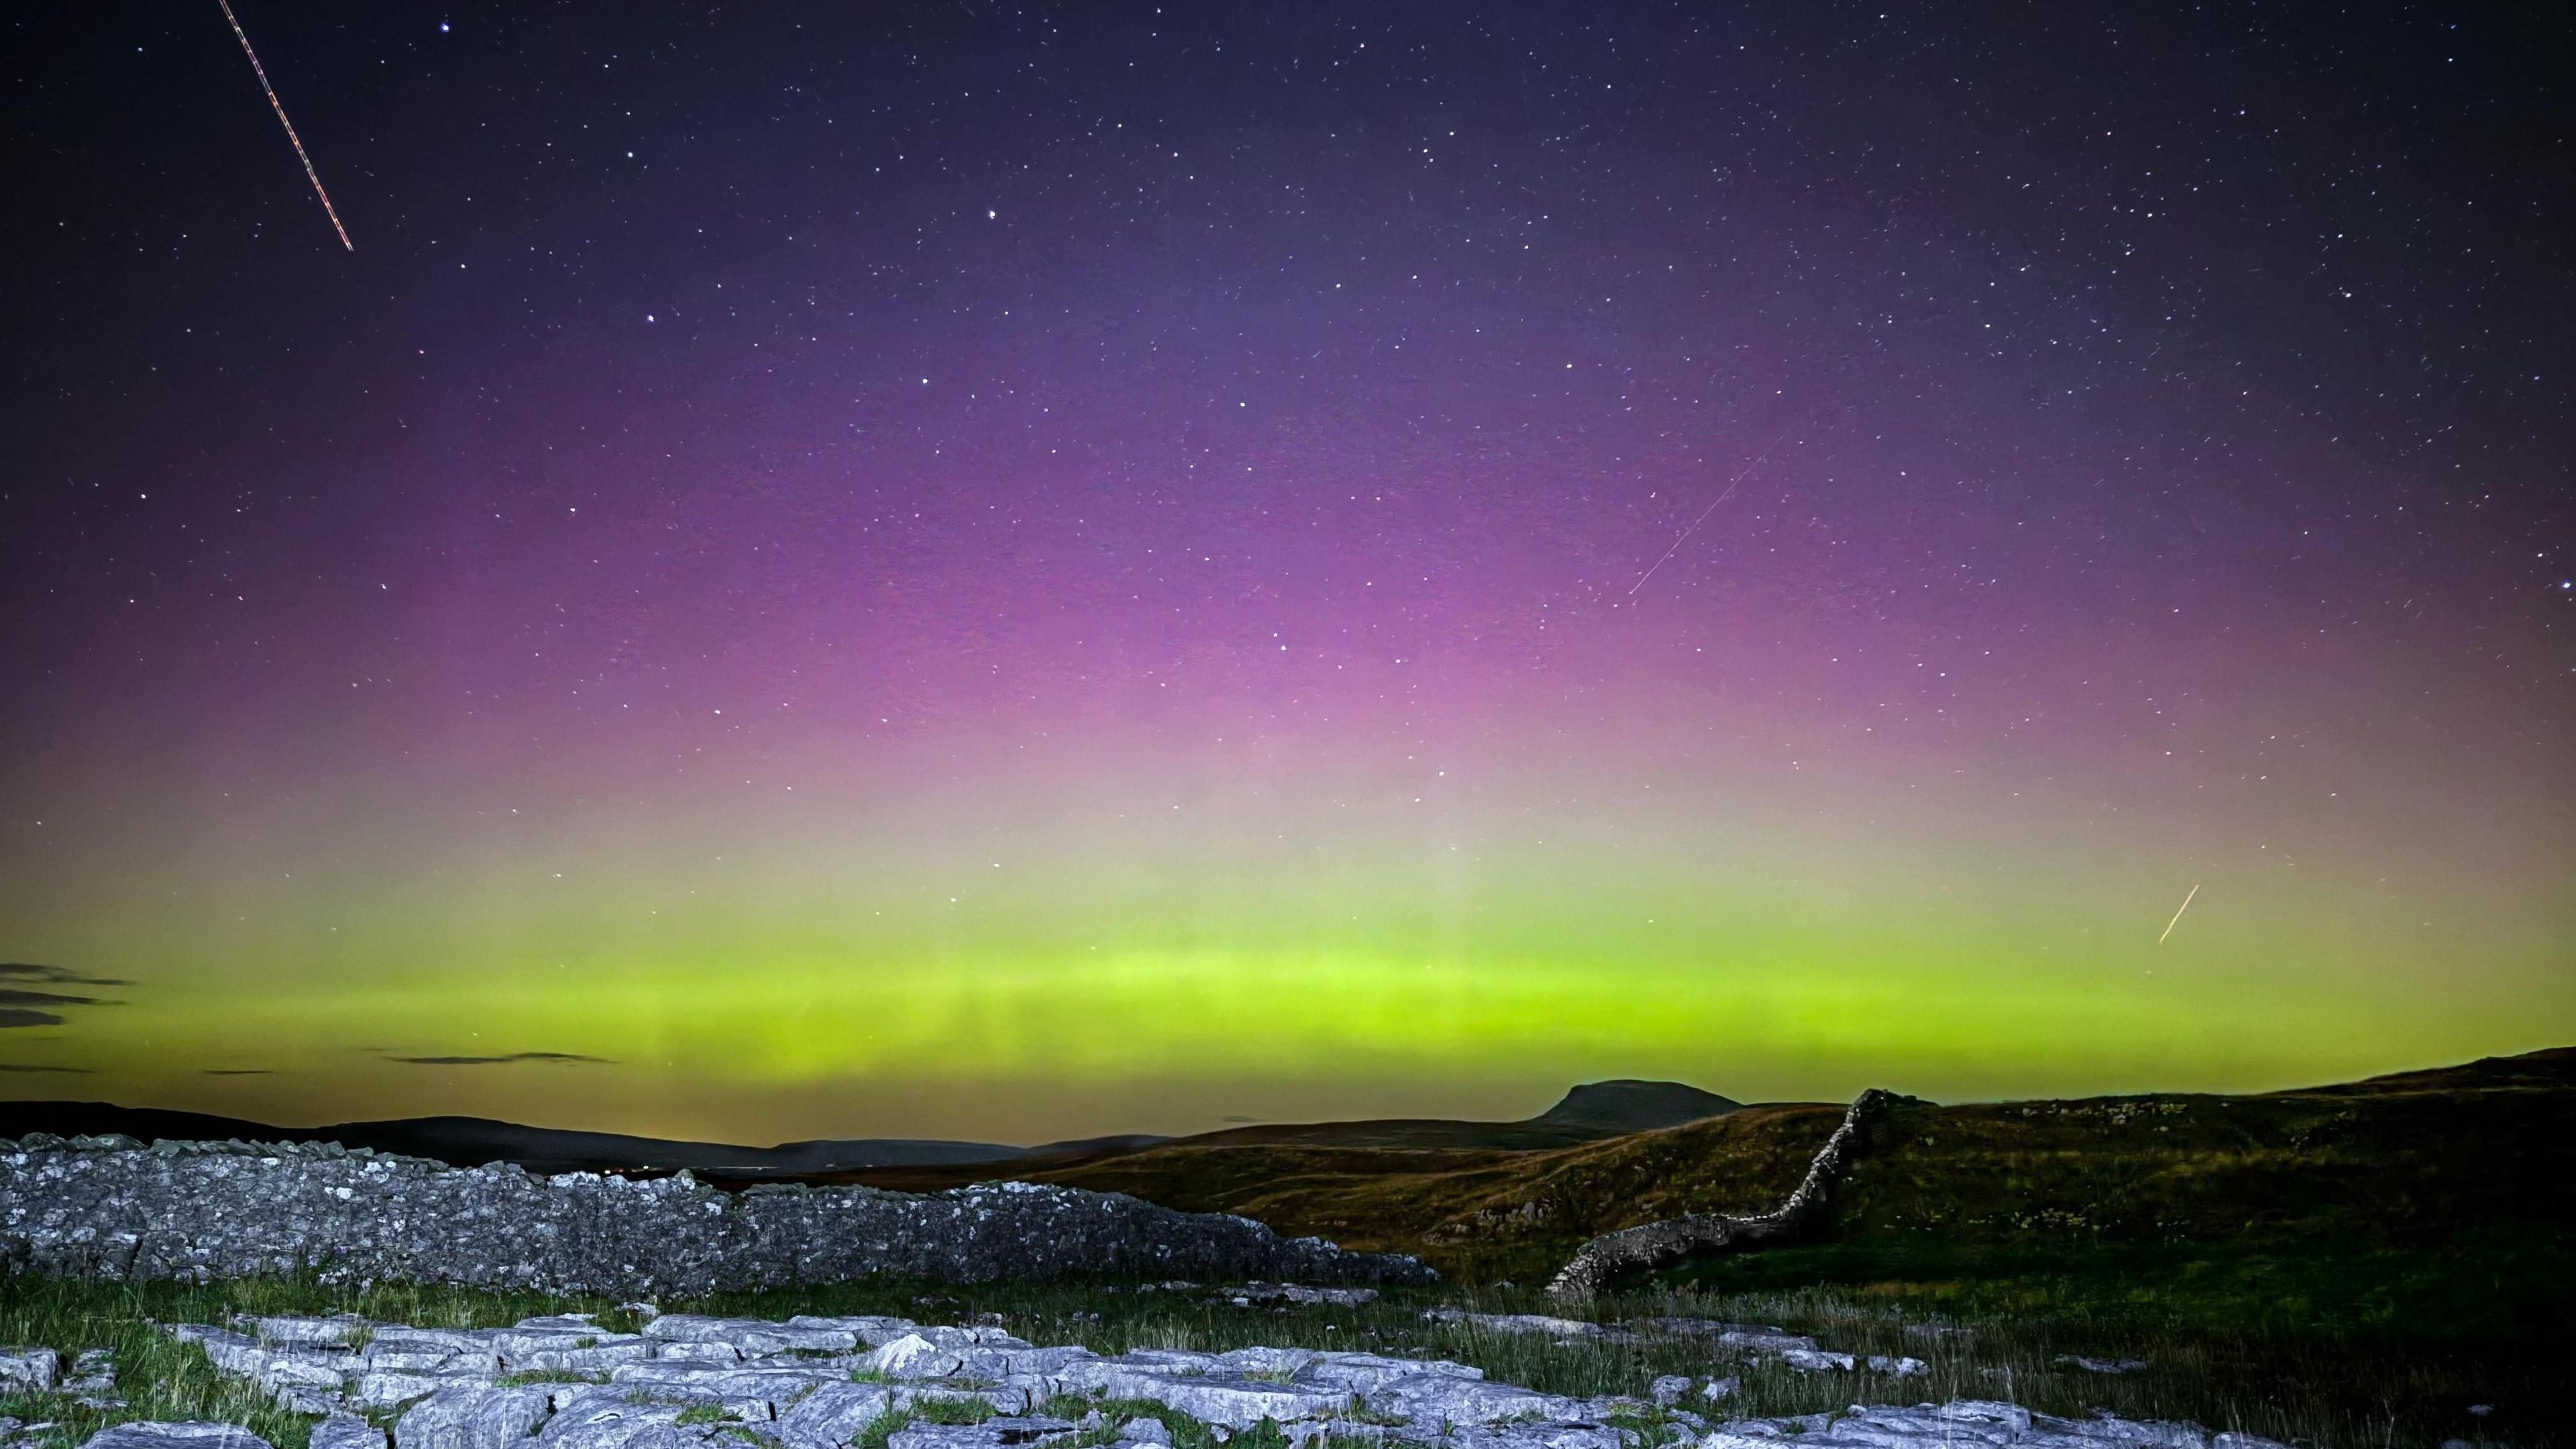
(1017, 571)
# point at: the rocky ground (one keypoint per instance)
(880, 1382)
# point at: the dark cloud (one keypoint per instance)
(18, 996)
(22, 1006)
(16, 1067)
(501, 1060)
(54, 975)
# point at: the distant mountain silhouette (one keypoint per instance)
(1587, 1114)
(1633, 1106)
(472, 1141)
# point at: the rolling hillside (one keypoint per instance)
(2451, 1191)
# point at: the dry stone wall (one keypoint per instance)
(112, 1207)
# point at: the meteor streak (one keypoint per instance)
(297, 141)
(1705, 512)
(2178, 910)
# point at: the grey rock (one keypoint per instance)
(2144, 1434)
(423, 1361)
(347, 1431)
(393, 1388)
(150, 1435)
(1014, 1429)
(1001, 1433)
(1006, 1432)
(1538, 1436)
(282, 1371)
(1562, 1328)
(708, 1353)
(1725, 1388)
(869, 1329)
(914, 1356)
(1300, 1293)
(1316, 1431)
(1963, 1424)
(1233, 1401)
(755, 1394)
(596, 1419)
(37, 1368)
(93, 1371)
(1145, 1431)
(1366, 1373)
(943, 1436)
(600, 1354)
(750, 1337)
(834, 1415)
(2101, 1365)
(404, 1339)
(339, 1331)
(232, 1352)
(1433, 1400)
(473, 1418)
(1668, 1390)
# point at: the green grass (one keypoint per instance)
(952, 1411)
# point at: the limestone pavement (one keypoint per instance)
(693, 1382)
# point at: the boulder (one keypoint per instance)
(347, 1431)
(34, 1368)
(1233, 1401)
(913, 1356)
(598, 1419)
(834, 1415)
(146, 1434)
(473, 1418)
(338, 1331)
(1002, 1433)
(393, 1388)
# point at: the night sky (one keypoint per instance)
(1011, 571)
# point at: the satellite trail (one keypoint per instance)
(297, 141)
(1705, 512)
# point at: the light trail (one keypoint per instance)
(2178, 910)
(297, 141)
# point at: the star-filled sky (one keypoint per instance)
(1002, 570)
